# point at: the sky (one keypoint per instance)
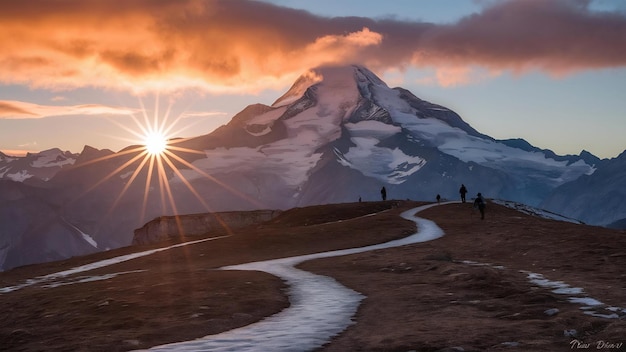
(99, 73)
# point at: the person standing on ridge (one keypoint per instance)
(479, 203)
(383, 193)
(463, 191)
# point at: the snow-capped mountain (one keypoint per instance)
(35, 167)
(338, 134)
(349, 122)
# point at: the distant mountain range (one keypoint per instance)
(35, 167)
(598, 199)
(339, 134)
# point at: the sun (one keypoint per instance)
(155, 154)
(155, 143)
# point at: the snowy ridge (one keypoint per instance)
(51, 158)
(43, 165)
(297, 90)
(83, 235)
(526, 209)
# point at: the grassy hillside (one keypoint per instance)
(468, 289)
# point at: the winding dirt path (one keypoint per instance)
(320, 307)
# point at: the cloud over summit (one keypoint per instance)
(234, 45)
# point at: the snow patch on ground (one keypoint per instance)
(81, 279)
(85, 236)
(590, 306)
(527, 209)
(96, 265)
(576, 295)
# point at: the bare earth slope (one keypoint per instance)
(424, 297)
(177, 295)
(436, 295)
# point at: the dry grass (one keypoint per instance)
(419, 297)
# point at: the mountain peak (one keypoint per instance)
(331, 77)
(298, 89)
(90, 153)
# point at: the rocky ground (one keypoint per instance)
(467, 291)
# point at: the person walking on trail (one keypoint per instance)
(383, 193)
(438, 198)
(479, 203)
(463, 191)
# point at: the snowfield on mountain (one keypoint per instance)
(339, 134)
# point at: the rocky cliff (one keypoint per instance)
(165, 227)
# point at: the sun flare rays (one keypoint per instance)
(150, 171)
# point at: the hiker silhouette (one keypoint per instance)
(479, 203)
(463, 191)
(383, 193)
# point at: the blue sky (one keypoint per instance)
(551, 72)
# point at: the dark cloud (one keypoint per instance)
(556, 36)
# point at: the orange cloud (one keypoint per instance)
(244, 45)
(8, 108)
(11, 109)
(340, 48)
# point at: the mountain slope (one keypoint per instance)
(595, 199)
(387, 135)
(338, 134)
